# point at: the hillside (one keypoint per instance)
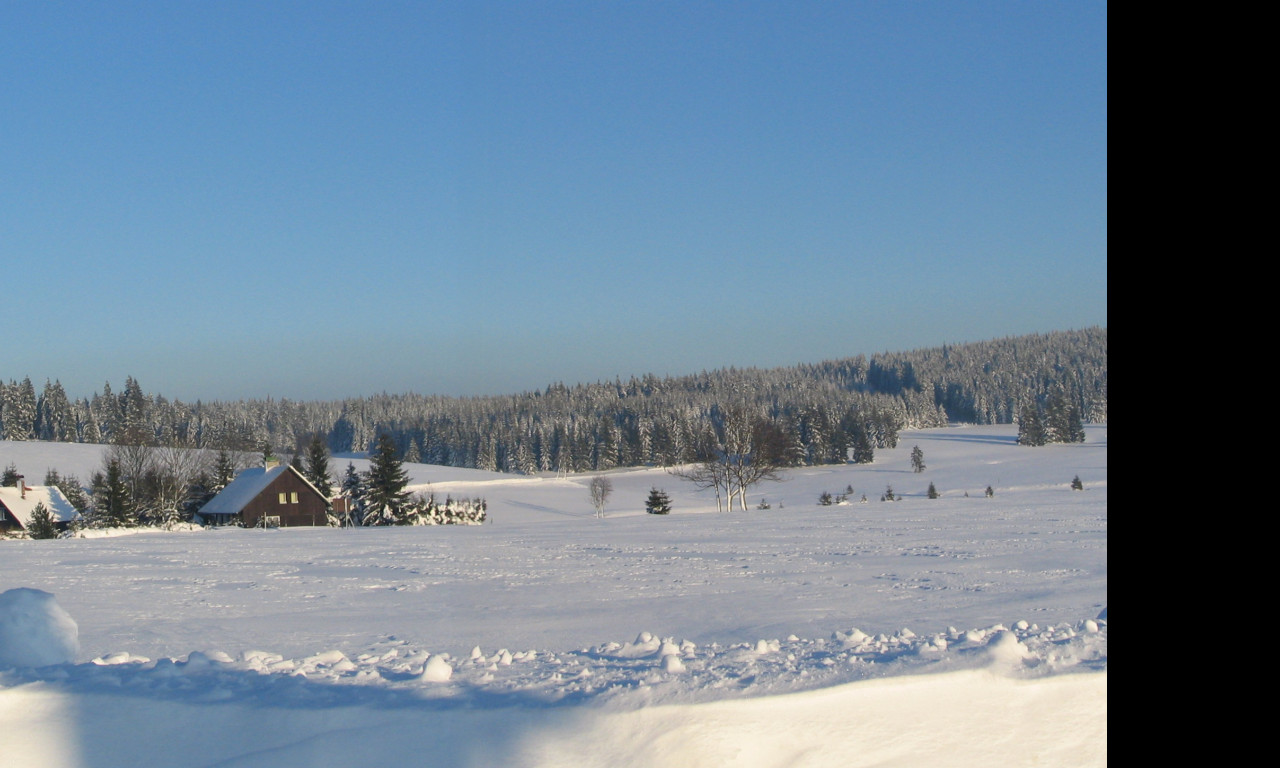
(604, 642)
(823, 409)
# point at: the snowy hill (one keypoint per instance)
(966, 629)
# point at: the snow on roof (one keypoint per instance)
(52, 498)
(246, 487)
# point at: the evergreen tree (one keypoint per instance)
(55, 421)
(317, 466)
(41, 525)
(1031, 429)
(1055, 417)
(1076, 485)
(990, 491)
(863, 450)
(1062, 421)
(107, 406)
(355, 489)
(19, 407)
(933, 491)
(888, 494)
(71, 488)
(224, 470)
(658, 502)
(917, 459)
(824, 498)
(112, 503)
(413, 455)
(388, 502)
(135, 416)
(1075, 426)
(10, 477)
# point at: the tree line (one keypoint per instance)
(827, 412)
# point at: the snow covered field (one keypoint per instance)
(965, 630)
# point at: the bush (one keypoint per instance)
(42, 525)
(658, 502)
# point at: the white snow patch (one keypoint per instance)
(437, 670)
(35, 631)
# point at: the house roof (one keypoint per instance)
(246, 487)
(52, 498)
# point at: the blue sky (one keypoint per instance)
(326, 199)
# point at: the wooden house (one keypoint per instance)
(274, 495)
(17, 502)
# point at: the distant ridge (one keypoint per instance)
(641, 421)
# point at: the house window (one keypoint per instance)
(293, 497)
(282, 499)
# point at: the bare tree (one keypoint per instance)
(135, 461)
(175, 468)
(601, 489)
(707, 474)
(749, 449)
(758, 459)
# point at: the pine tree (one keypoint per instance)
(990, 491)
(112, 502)
(355, 489)
(41, 525)
(658, 502)
(863, 451)
(317, 466)
(917, 460)
(135, 416)
(10, 477)
(387, 499)
(1031, 429)
(71, 488)
(224, 470)
(1055, 417)
(19, 406)
(54, 419)
(1075, 426)
(1076, 485)
(933, 491)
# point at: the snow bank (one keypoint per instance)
(966, 719)
(35, 631)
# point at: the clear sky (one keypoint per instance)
(324, 199)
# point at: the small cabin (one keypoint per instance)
(17, 502)
(272, 495)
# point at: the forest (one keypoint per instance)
(827, 412)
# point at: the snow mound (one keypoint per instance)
(437, 670)
(1005, 648)
(35, 631)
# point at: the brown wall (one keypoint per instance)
(308, 511)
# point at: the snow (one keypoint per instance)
(35, 631)
(965, 630)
